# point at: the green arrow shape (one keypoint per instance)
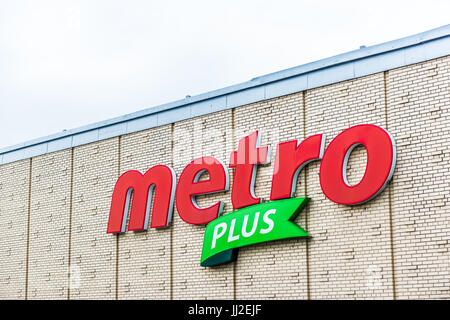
(250, 225)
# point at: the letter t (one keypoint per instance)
(245, 161)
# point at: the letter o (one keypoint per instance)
(381, 158)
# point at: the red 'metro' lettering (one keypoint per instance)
(291, 157)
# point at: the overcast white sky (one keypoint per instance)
(68, 63)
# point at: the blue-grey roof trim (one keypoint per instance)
(354, 64)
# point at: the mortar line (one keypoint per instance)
(70, 220)
(119, 142)
(308, 288)
(28, 230)
(389, 190)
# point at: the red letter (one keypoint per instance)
(245, 162)
(381, 157)
(290, 160)
(159, 178)
(189, 186)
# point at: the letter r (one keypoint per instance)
(290, 159)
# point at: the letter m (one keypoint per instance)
(161, 181)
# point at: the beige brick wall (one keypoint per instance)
(350, 249)
(395, 246)
(92, 251)
(14, 191)
(49, 226)
(419, 118)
